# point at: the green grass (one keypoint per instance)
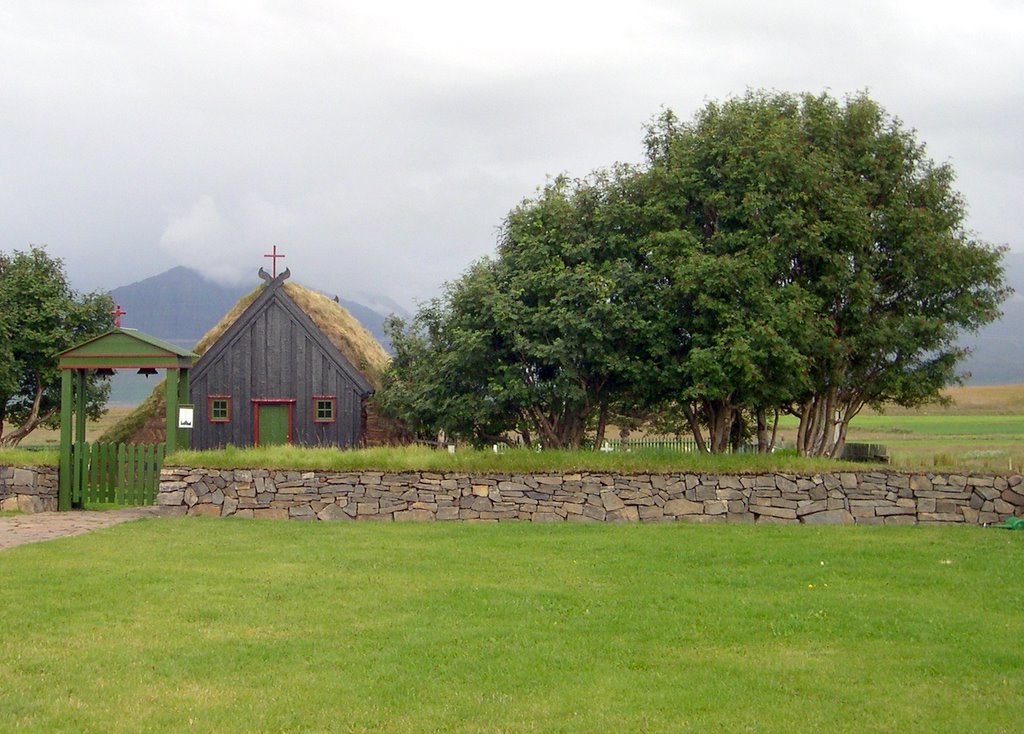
(970, 442)
(24, 457)
(225, 626)
(511, 461)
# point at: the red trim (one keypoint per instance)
(257, 402)
(209, 408)
(334, 408)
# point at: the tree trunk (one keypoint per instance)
(602, 424)
(762, 431)
(698, 435)
(33, 421)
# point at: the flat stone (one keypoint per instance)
(683, 507)
(1003, 508)
(205, 510)
(920, 482)
(811, 507)
(783, 513)
(901, 520)
(301, 512)
(626, 514)
(167, 499)
(270, 513)
(333, 513)
(715, 507)
(549, 517)
(889, 510)
(414, 516)
(829, 517)
(611, 501)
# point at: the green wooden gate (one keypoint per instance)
(123, 474)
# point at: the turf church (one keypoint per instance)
(275, 377)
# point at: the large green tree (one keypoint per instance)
(40, 316)
(855, 233)
(545, 339)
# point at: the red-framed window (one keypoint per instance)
(325, 408)
(218, 408)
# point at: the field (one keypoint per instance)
(224, 625)
(982, 429)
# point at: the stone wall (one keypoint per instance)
(28, 489)
(869, 498)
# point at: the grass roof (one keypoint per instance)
(343, 330)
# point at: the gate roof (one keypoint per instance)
(126, 348)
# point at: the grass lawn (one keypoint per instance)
(221, 625)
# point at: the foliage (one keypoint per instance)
(40, 316)
(542, 339)
(857, 250)
(285, 626)
(779, 253)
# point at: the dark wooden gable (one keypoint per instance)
(275, 353)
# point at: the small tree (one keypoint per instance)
(40, 316)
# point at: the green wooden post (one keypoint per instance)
(80, 444)
(64, 477)
(184, 434)
(171, 398)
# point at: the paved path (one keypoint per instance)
(40, 526)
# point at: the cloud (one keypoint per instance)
(379, 145)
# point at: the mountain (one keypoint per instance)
(180, 306)
(997, 351)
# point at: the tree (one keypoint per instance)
(846, 218)
(40, 316)
(543, 340)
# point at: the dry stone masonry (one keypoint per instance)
(866, 498)
(28, 489)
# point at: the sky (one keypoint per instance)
(379, 145)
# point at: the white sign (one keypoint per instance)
(185, 414)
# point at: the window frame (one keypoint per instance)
(331, 400)
(210, 400)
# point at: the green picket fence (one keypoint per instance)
(122, 474)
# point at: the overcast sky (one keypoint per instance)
(379, 145)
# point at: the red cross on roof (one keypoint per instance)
(273, 259)
(117, 313)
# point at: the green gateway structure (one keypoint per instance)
(116, 472)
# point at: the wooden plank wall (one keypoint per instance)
(275, 358)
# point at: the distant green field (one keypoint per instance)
(958, 426)
(971, 442)
(231, 625)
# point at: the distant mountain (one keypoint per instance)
(997, 356)
(180, 306)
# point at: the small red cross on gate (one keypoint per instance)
(274, 257)
(117, 313)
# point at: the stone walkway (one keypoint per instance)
(21, 529)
